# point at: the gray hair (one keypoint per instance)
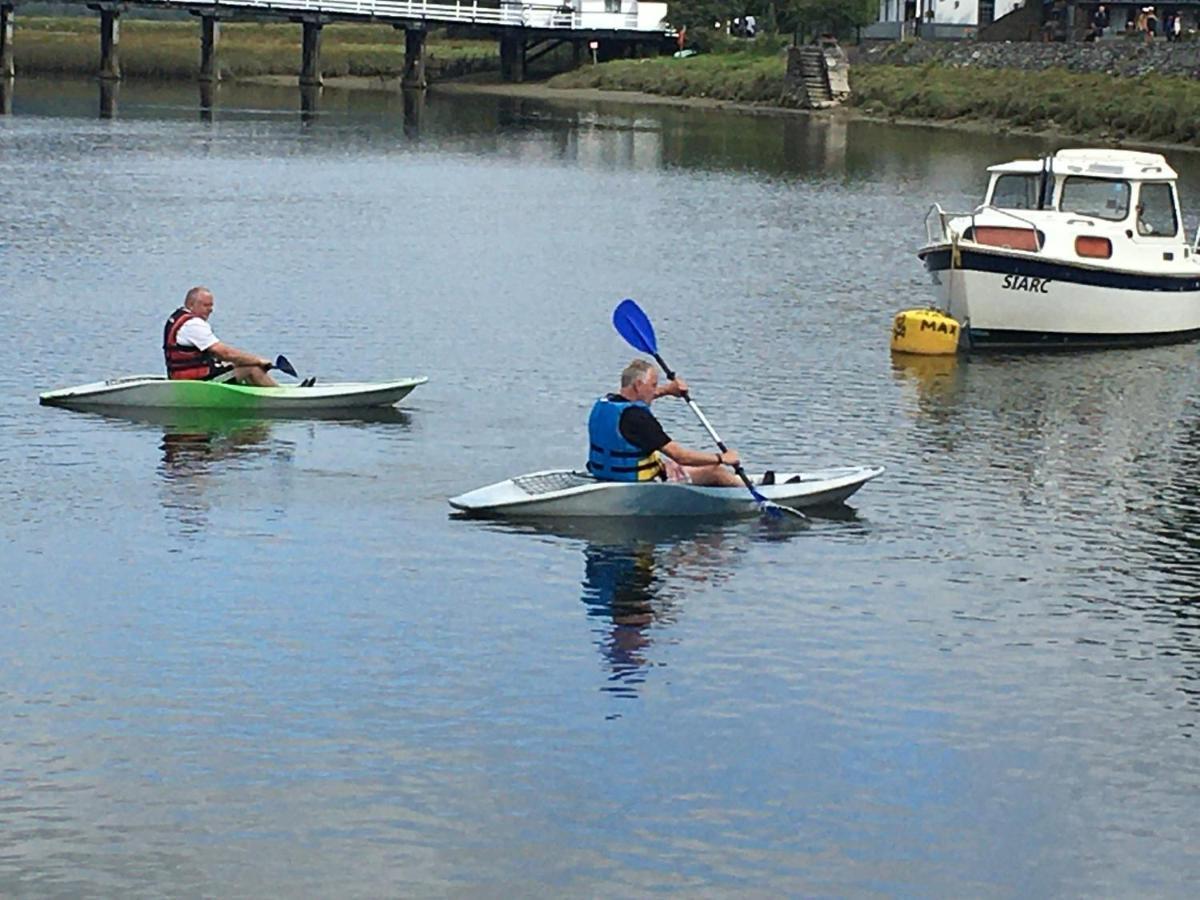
(194, 294)
(636, 372)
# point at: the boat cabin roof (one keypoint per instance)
(1127, 165)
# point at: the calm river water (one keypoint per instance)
(262, 659)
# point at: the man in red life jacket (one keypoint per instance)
(192, 351)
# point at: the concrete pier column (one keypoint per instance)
(210, 34)
(512, 56)
(6, 96)
(310, 64)
(110, 43)
(414, 59)
(7, 70)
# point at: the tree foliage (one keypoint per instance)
(802, 17)
(840, 17)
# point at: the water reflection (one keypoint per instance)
(414, 110)
(6, 96)
(201, 447)
(310, 102)
(639, 573)
(208, 99)
(196, 449)
(110, 91)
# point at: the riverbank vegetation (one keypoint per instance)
(751, 73)
(1151, 108)
(159, 49)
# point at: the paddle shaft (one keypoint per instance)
(281, 363)
(741, 473)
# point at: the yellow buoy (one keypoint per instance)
(929, 332)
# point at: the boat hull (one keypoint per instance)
(1010, 300)
(158, 392)
(567, 493)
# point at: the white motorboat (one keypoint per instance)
(157, 391)
(565, 492)
(1084, 248)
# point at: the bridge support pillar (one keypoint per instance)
(414, 59)
(210, 35)
(512, 56)
(7, 70)
(110, 42)
(310, 65)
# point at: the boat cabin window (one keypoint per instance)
(1016, 191)
(1102, 198)
(1156, 210)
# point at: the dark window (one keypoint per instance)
(1016, 191)
(1156, 210)
(1099, 197)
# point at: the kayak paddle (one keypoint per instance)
(634, 325)
(283, 365)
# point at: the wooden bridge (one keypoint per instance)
(525, 30)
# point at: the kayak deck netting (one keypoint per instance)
(548, 482)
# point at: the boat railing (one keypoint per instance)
(942, 219)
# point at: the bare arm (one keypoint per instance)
(676, 388)
(237, 357)
(686, 457)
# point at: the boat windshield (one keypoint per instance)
(1103, 198)
(1016, 191)
(1156, 210)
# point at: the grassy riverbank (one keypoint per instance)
(158, 49)
(1151, 108)
(746, 77)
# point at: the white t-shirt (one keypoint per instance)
(196, 332)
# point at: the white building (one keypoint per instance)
(936, 18)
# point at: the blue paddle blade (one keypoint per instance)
(633, 325)
(282, 364)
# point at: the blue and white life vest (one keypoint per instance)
(610, 456)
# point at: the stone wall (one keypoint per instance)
(1126, 57)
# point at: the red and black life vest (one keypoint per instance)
(184, 362)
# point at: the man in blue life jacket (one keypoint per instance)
(628, 443)
(192, 351)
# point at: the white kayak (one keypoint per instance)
(563, 492)
(159, 392)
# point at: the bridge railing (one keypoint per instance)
(508, 13)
